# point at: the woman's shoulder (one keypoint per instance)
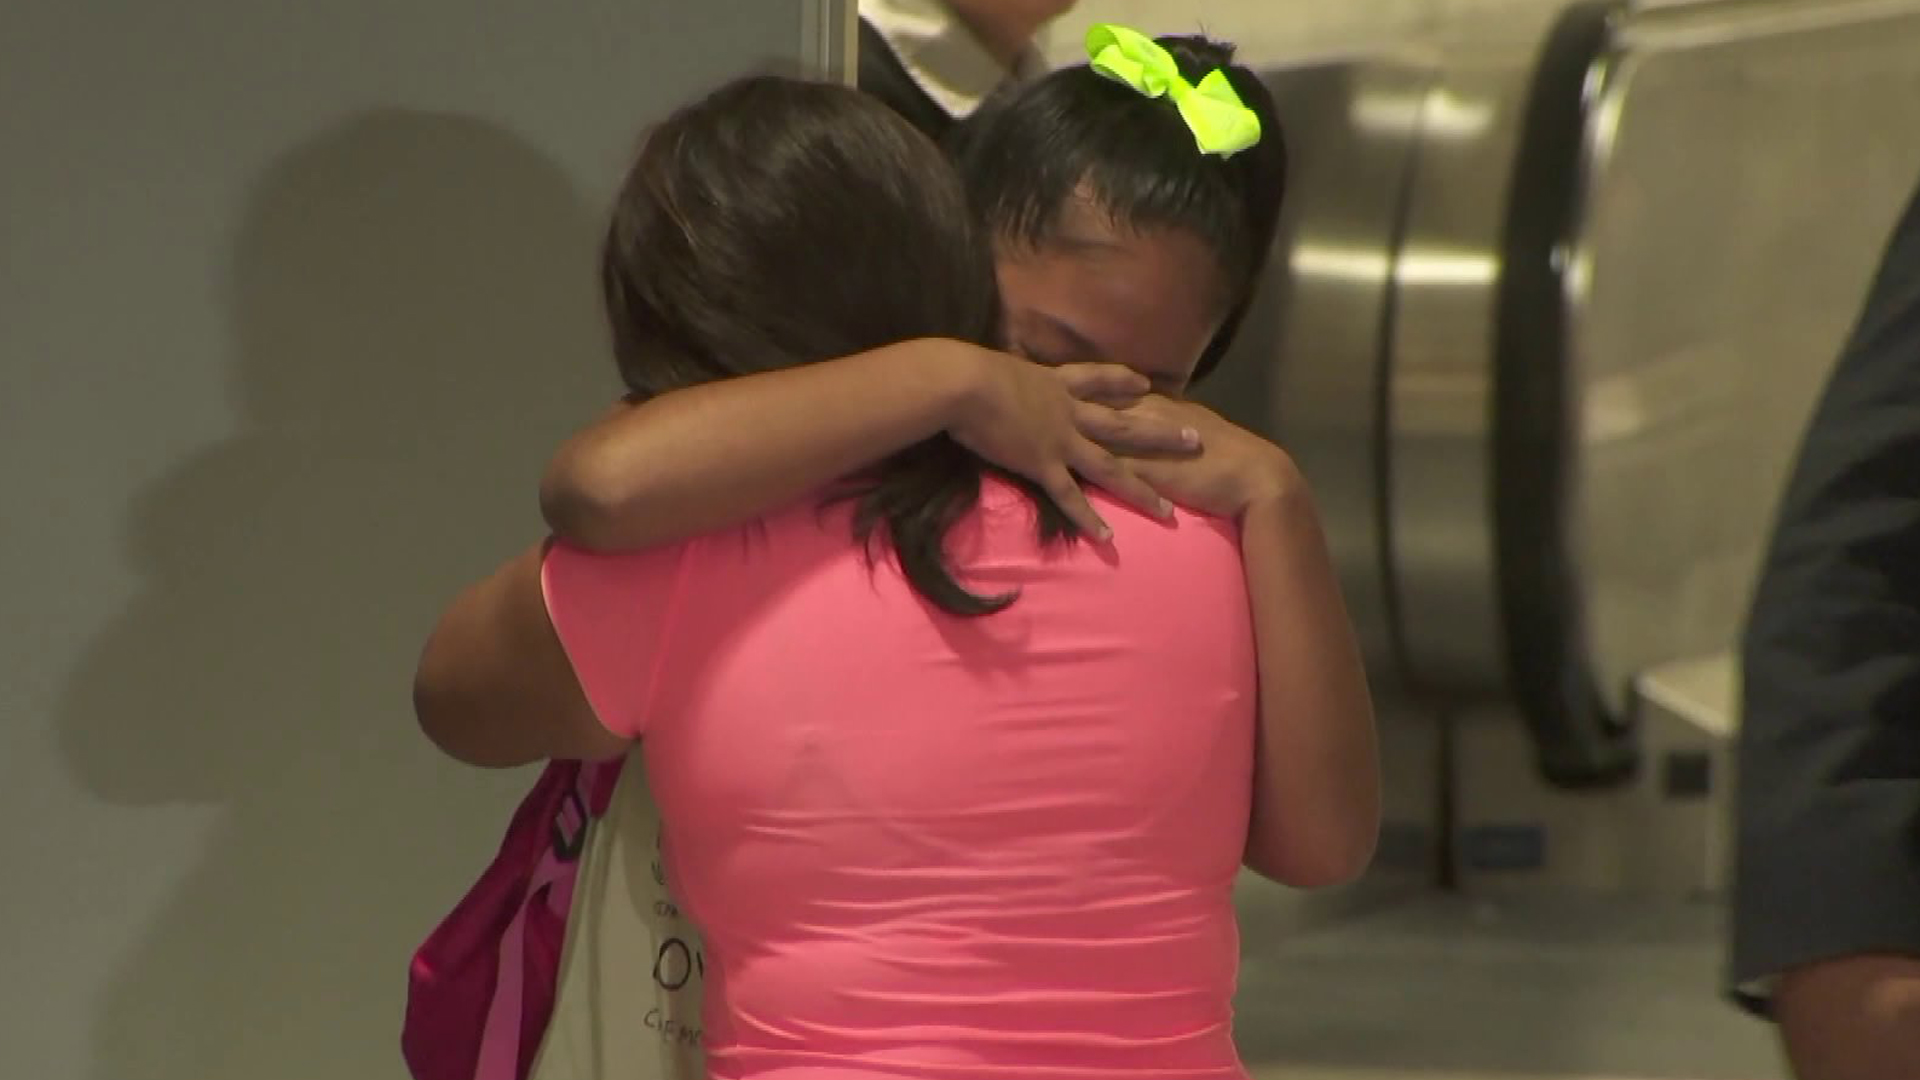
(804, 532)
(1007, 514)
(1188, 542)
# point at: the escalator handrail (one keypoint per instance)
(1578, 740)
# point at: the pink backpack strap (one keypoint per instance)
(501, 1051)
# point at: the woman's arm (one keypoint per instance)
(711, 456)
(556, 655)
(1316, 795)
(495, 688)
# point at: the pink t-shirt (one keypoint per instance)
(920, 846)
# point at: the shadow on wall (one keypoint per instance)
(414, 304)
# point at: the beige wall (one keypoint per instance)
(293, 302)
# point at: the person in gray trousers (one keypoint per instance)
(1826, 920)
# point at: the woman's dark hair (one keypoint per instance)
(1029, 150)
(779, 222)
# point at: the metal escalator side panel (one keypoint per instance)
(1745, 161)
(1304, 369)
(1437, 381)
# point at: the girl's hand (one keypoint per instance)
(1058, 426)
(1235, 470)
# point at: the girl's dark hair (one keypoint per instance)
(779, 222)
(1030, 149)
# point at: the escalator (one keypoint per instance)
(1550, 311)
(1550, 315)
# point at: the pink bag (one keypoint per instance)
(481, 989)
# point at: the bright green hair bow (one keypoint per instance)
(1222, 124)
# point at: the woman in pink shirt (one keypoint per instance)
(1127, 256)
(921, 840)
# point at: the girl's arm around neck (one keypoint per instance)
(712, 456)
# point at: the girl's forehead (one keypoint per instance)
(1146, 299)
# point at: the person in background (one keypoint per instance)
(935, 61)
(1826, 918)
